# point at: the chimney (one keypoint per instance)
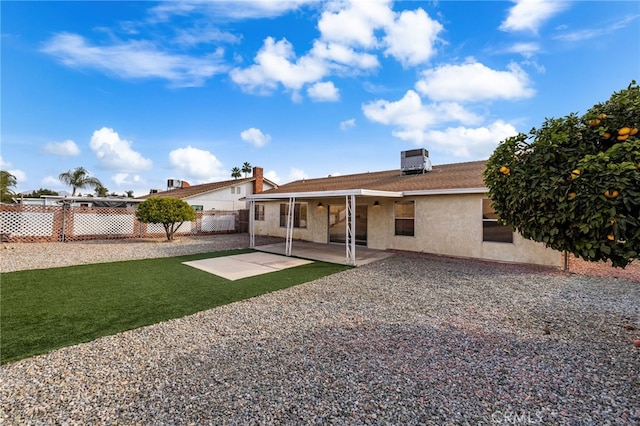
(258, 184)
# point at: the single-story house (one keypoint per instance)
(225, 195)
(443, 210)
(78, 201)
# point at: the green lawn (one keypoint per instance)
(41, 310)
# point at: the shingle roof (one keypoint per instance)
(193, 190)
(442, 177)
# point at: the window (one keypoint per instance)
(259, 212)
(299, 215)
(492, 231)
(405, 217)
(197, 208)
(236, 190)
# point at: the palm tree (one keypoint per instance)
(246, 168)
(235, 173)
(7, 180)
(79, 178)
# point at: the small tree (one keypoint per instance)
(129, 193)
(235, 173)
(574, 184)
(170, 212)
(7, 181)
(246, 168)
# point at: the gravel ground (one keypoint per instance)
(412, 339)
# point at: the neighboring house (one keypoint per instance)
(225, 195)
(442, 210)
(78, 201)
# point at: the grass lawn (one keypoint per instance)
(41, 310)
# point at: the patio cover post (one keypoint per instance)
(350, 241)
(252, 214)
(290, 217)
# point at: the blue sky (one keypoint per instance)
(140, 92)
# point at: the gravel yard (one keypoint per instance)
(412, 339)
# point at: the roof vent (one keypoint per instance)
(173, 183)
(415, 161)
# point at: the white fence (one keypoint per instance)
(63, 223)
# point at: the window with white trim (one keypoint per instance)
(405, 215)
(492, 230)
(299, 215)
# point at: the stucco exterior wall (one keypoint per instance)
(223, 199)
(444, 224)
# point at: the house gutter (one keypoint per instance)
(452, 191)
(325, 194)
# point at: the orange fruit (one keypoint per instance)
(624, 131)
(572, 195)
(606, 135)
(594, 122)
(633, 131)
(505, 170)
(611, 194)
(575, 174)
(602, 116)
(623, 137)
(611, 237)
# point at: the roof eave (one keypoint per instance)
(446, 191)
(325, 194)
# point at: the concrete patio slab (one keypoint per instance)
(246, 265)
(331, 253)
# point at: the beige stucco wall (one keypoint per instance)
(445, 224)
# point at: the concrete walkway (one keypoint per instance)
(331, 253)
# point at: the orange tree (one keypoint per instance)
(170, 212)
(574, 183)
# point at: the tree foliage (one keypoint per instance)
(235, 173)
(7, 181)
(574, 183)
(170, 212)
(246, 168)
(40, 192)
(79, 178)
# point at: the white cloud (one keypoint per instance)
(464, 142)
(276, 64)
(410, 112)
(198, 164)
(50, 181)
(590, 33)
(297, 174)
(4, 164)
(20, 176)
(272, 176)
(126, 179)
(134, 59)
(115, 153)
(355, 24)
(230, 9)
(255, 137)
(324, 92)
(529, 15)
(525, 49)
(411, 118)
(348, 124)
(411, 38)
(474, 82)
(67, 148)
(342, 54)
